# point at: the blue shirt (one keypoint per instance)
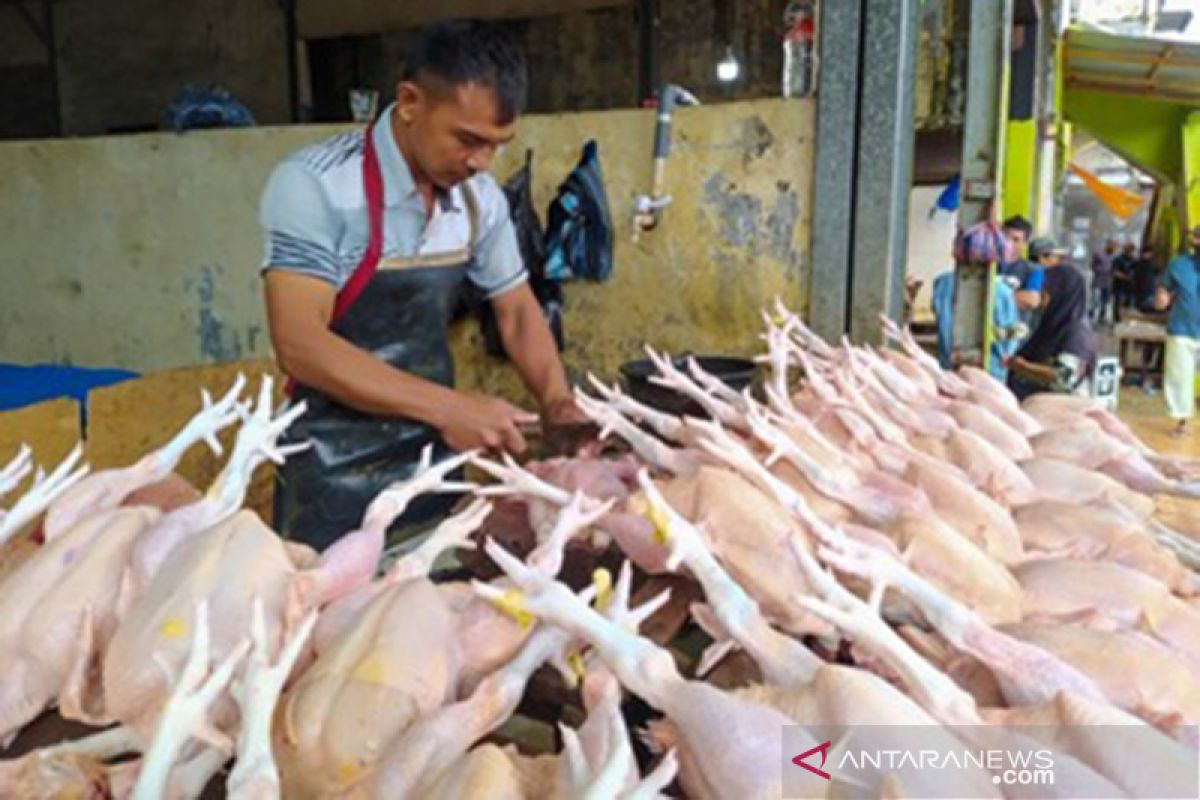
(313, 213)
(1030, 277)
(1005, 315)
(1182, 280)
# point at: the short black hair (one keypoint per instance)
(471, 51)
(1019, 223)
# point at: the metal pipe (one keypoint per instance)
(648, 207)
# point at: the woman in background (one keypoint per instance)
(1061, 353)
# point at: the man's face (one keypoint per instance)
(456, 131)
(1017, 237)
(1051, 260)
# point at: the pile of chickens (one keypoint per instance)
(883, 542)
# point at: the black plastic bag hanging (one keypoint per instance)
(518, 190)
(579, 226)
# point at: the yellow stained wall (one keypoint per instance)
(143, 251)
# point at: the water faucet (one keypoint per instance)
(648, 208)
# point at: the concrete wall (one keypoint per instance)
(586, 60)
(121, 62)
(142, 251)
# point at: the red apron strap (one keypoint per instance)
(373, 187)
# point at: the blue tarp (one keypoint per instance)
(24, 385)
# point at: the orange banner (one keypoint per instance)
(1122, 203)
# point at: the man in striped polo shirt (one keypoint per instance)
(369, 238)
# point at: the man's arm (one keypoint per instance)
(530, 345)
(299, 308)
(1029, 296)
(1162, 293)
(1038, 373)
(1027, 300)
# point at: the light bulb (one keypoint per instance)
(728, 67)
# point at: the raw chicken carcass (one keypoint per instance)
(237, 567)
(1057, 529)
(1105, 454)
(412, 648)
(230, 565)
(948, 559)
(61, 606)
(1070, 483)
(1135, 672)
(1116, 597)
(728, 745)
(428, 759)
(1140, 760)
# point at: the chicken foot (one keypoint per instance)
(432, 745)
(782, 659)
(1028, 674)
(108, 488)
(184, 715)
(44, 491)
(256, 443)
(255, 776)
(737, 756)
(650, 449)
(15, 470)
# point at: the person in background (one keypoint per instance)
(1179, 290)
(1145, 277)
(977, 246)
(1102, 280)
(1123, 279)
(1060, 354)
(1025, 277)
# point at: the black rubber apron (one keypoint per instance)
(402, 309)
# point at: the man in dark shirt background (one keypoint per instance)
(1145, 277)
(1123, 279)
(1102, 280)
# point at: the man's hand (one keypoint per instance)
(476, 421)
(563, 411)
(1162, 299)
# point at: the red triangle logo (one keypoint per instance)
(823, 749)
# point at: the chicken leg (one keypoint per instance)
(107, 488)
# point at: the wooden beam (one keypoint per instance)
(320, 19)
(1163, 58)
(1135, 90)
(1114, 57)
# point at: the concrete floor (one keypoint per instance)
(1147, 415)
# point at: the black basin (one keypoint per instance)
(736, 373)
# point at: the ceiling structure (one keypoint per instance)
(320, 19)
(1152, 68)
